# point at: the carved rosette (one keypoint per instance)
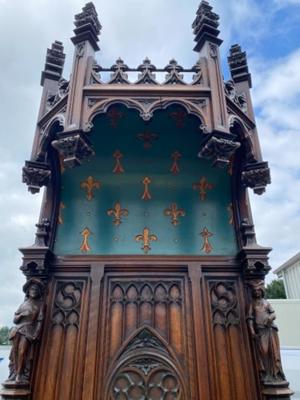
(256, 176)
(73, 148)
(35, 175)
(219, 149)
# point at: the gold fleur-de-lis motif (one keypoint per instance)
(146, 237)
(203, 186)
(230, 211)
(118, 167)
(207, 247)
(179, 117)
(117, 212)
(85, 247)
(60, 217)
(175, 167)
(89, 185)
(146, 182)
(114, 116)
(147, 138)
(174, 212)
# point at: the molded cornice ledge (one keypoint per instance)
(73, 147)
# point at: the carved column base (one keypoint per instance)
(16, 391)
(277, 391)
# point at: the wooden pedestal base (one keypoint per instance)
(277, 391)
(16, 391)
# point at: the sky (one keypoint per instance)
(269, 30)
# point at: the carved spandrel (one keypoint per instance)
(28, 322)
(224, 304)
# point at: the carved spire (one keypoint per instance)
(55, 59)
(87, 26)
(238, 65)
(206, 26)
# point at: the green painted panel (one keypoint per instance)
(140, 160)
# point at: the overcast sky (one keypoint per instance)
(160, 29)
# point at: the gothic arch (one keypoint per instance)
(147, 107)
(55, 125)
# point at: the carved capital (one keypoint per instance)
(35, 175)
(74, 147)
(220, 148)
(256, 176)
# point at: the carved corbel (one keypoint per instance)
(220, 148)
(74, 147)
(256, 176)
(35, 175)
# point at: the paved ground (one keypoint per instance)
(290, 360)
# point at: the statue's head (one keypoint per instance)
(34, 288)
(257, 288)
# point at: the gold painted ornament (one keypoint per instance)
(85, 247)
(146, 195)
(89, 185)
(146, 237)
(175, 166)
(175, 213)
(207, 247)
(117, 212)
(203, 186)
(118, 167)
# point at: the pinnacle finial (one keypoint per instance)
(55, 59)
(87, 26)
(238, 65)
(206, 26)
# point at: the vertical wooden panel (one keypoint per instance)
(64, 388)
(161, 318)
(131, 316)
(51, 369)
(175, 327)
(223, 366)
(116, 327)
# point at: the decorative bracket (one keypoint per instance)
(256, 176)
(219, 147)
(74, 147)
(35, 175)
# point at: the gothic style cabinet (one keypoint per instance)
(145, 281)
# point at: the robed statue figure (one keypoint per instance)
(262, 328)
(28, 324)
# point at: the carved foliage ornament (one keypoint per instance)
(35, 175)
(256, 176)
(147, 76)
(174, 76)
(220, 150)
(74, 148)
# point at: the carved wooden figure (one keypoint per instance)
(28, 321)
(145, 241)
(265, 333)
